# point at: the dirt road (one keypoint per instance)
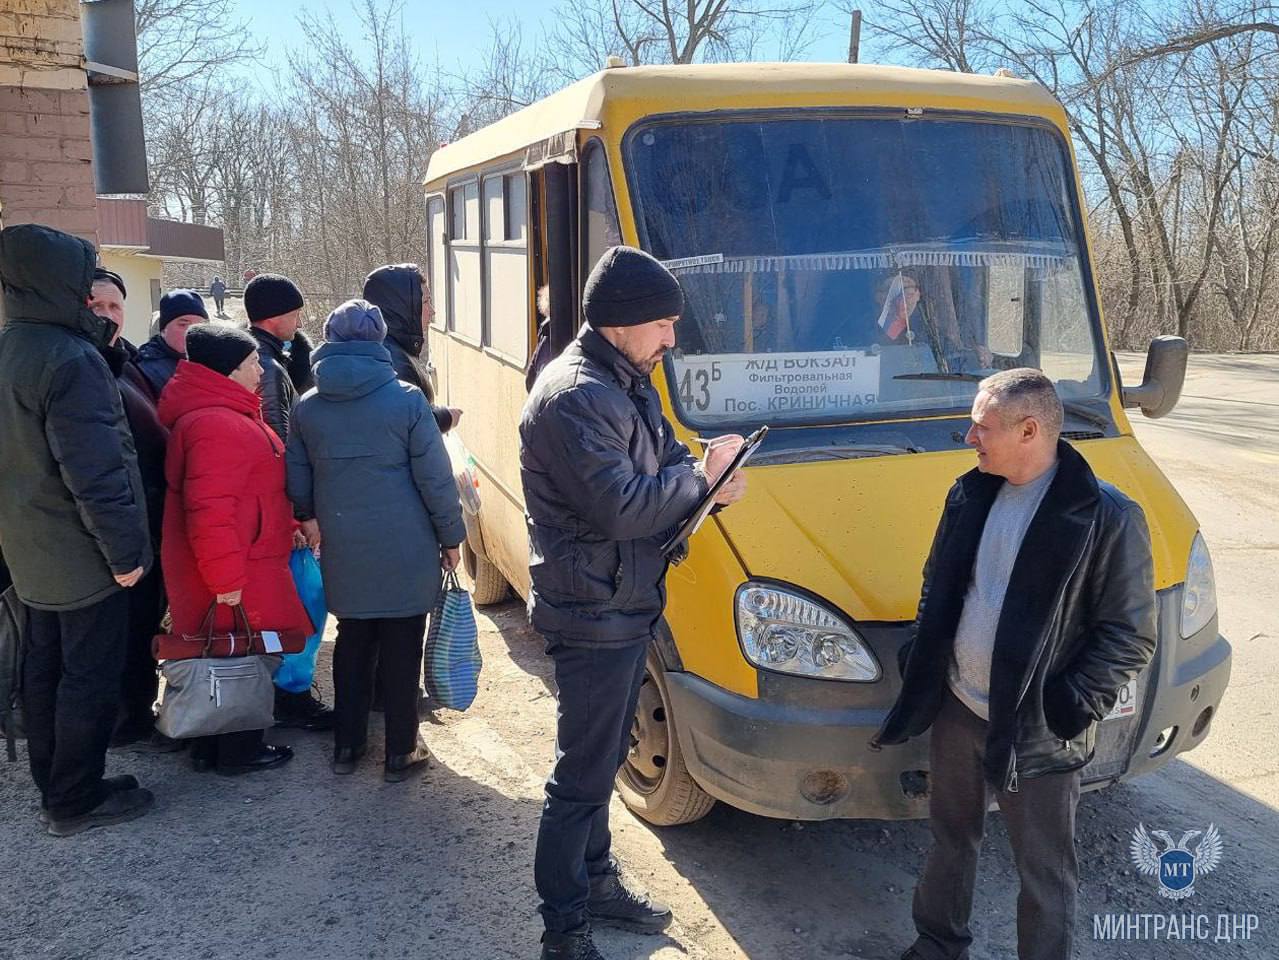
(299, 865)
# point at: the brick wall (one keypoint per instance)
(46, 173)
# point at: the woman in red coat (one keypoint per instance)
(228, 527)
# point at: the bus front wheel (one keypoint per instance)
(488, 586)
(654, 782)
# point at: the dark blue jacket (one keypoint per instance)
(366, 459)
(605, 483)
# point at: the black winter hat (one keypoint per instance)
(629, 287)
(270, 295)
(103, 275)
(219, 346)
(181, 303)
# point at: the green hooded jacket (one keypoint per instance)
(72, 509)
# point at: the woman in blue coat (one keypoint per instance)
(366, 463)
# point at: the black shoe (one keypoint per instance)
(402, 766)
(302, 711)
(577, 945)
(268, 758)
(116, 784)
(346, 759)
(118, 807)
(614, 904)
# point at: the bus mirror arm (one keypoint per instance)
(1165, 374)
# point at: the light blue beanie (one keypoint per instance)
(355, 320)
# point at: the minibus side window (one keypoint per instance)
(602, 230)
(506, 266)
(435, 253)
(465, 318)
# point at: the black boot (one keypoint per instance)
(400, 767)
(346, 759)
(116, 784)
(575, 945)
(268, 758)
(118, 807)
(614, 904)
(302, 711)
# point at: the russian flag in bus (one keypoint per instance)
(893, 316)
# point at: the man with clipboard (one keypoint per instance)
(607, 488)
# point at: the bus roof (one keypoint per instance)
(738, 85)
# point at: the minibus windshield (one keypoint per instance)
(843, 268)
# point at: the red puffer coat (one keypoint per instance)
(227, 523)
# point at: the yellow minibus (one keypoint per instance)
(859, 246)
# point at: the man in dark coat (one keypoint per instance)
(139, 684)
(274, 307)
(72, 520)
(399, 290)
(1038, 605)
(605, 482)
(158, 357)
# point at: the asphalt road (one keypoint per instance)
(299, 865)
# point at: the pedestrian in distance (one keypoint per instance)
(217, 290)
(368, 470)
(605, 484)
(73, 522)
(1038, 605)
(274, 307)
(228, 526)
(180, 310)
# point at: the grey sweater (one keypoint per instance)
(1010, 515)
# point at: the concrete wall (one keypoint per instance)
(137, 272)
(46, 173)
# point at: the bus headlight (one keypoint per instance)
(786, 631)
(1199, 596)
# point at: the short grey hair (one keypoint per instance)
(1025, 392)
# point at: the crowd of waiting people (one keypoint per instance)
(145, 486)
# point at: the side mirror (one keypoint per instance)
(1165, 373)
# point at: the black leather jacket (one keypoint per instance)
(1078, 621)
(278, 393)
(605, 482)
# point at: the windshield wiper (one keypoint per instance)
(1077, 410)
(834, 451)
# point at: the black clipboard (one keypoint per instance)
(707, 503)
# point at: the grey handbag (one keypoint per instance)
(206, 696)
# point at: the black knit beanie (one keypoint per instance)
(270, 295)
(181, 303)
(103, 275)
(219, 346)
(629, 287)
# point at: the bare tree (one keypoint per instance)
(180, 41)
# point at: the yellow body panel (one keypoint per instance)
(855, 532)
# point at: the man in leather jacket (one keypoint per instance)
(1038, 605)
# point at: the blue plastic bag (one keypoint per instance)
(297, 670)
(451, 661)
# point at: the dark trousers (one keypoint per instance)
(70, 693)
(391, 649)
(228, 749)
(598, 690)
(218, 302)
(1041, 826)
(139, 682)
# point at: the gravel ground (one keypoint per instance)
(297, 864)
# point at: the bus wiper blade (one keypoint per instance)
(962, 377)
(1085, 413)
(835, 451)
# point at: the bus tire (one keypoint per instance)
(654, 782)
(488, 586)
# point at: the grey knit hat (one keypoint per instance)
(629, 287)
(355, 320)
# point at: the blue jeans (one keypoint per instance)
(598, 690)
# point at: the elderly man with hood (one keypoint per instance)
(73, 523)
(400, 292)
